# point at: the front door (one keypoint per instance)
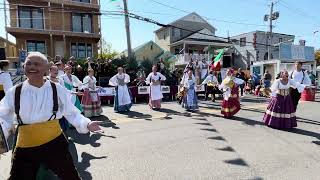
(59, 48)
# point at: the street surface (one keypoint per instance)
(175, 144)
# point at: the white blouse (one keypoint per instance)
(156, 77)
(5, 80)
(210, 78)
(298, 77)
(36, 106)
(277, 85)
(114, 80)
(89, 83)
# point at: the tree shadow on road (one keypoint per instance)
(308, 121)
(303, 132)
(247, 121)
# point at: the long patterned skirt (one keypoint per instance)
(91, 104)
(280, 113)
(190, 100)
(231, 106)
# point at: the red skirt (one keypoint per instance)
(91, 104)
(230, 107)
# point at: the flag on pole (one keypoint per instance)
(216, 66)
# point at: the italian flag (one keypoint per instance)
(216, 66)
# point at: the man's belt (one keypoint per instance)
(33, 135)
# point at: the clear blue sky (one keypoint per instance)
(297, 17)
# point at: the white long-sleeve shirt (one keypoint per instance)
(210, 78)
(277, 85)
(5, 80)
(89, 83)
(297, 76)
(36, 106)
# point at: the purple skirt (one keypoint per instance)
(280, 113)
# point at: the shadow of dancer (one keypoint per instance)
(83, 162)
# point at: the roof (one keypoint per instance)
(258, 31)
(3, 39)
(185, 17)
(142, 45)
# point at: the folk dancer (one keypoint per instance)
(190, 99)
(53, 76)
(299, 76)
(280, 112)
(182, 90)
(37, 104)
(230, 104)
(61, 67)
(211, 83)
(71, 82)
(155, 94)
(90, 102)
(122, 99)
(5, 78)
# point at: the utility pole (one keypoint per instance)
(271, 17)
(270, 31)
(127, 24)
(5, 20)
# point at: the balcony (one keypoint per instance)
(94, 4)
(184, 59)
(17, 30)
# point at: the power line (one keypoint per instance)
(135, 16)
(207, 18)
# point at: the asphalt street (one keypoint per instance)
(175, 144)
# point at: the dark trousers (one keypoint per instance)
(53, 155)
(295, 96)
(241, 89)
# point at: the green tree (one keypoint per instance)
(107, 52)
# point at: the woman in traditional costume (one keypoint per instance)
(5, 78)
(91, 102)
(71, 82)
(280, 112)
(36, 104)
(230, 104)
(190, 99)
(122, 99)
(155, 94)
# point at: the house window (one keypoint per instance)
(30, 17)
(151, 47)
(81, 50)
(36, 46)
(243, 42)
(81, 23)
(280, 40)
(83, 1)
(89, 50)
(164, 34)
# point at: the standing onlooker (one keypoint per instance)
(312, 77)
(5, 78)
(80, 73)
(256, 78)
(299, 76)
(241, 75)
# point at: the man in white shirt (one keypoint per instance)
(299, 75)
(211, 83)
(37, 105)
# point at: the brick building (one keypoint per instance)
(56, 27)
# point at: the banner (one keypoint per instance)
(107, 91)
(145, 89)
